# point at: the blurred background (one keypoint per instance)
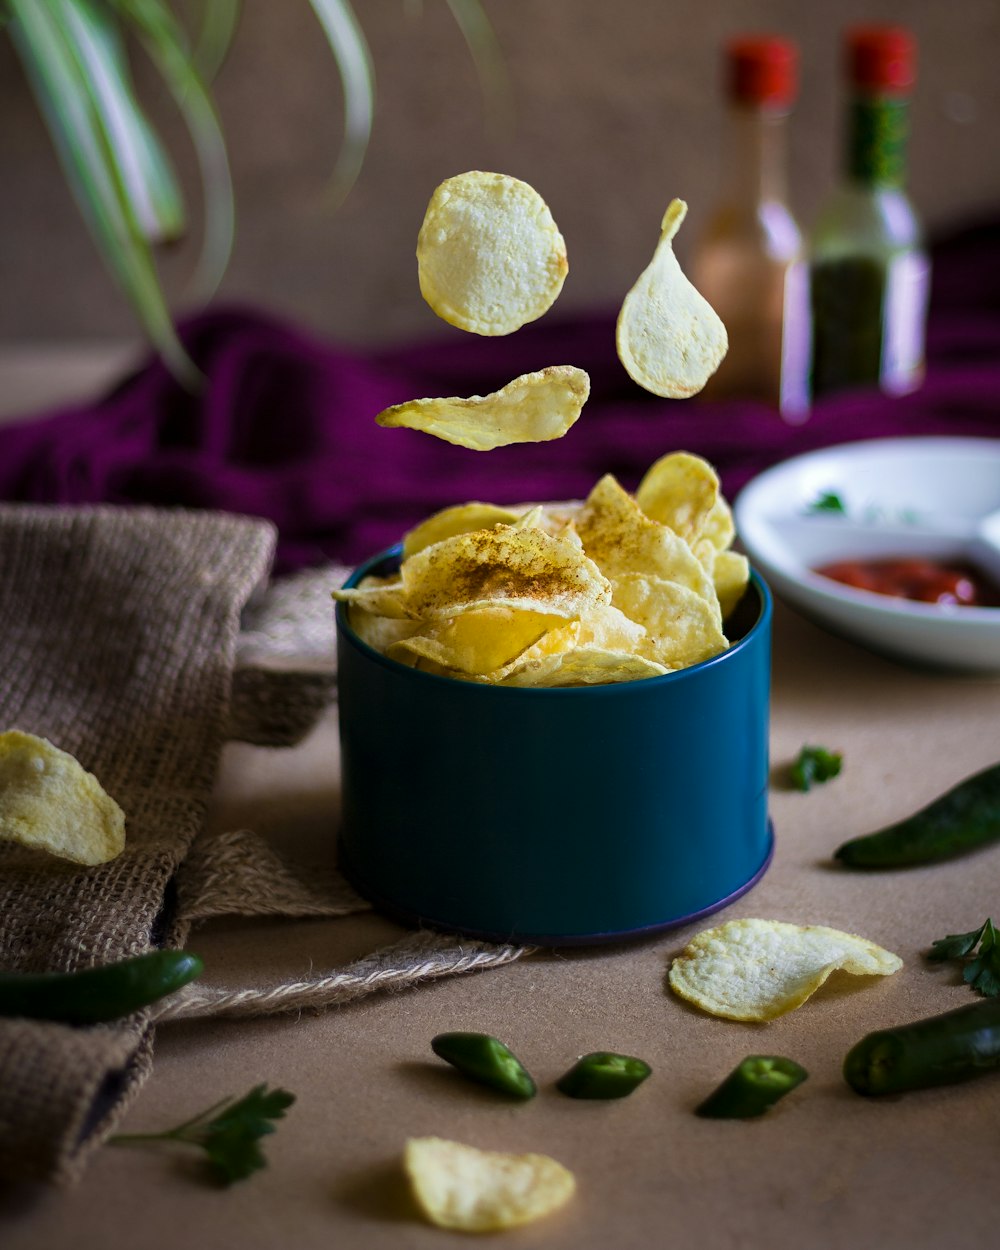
(616, 109)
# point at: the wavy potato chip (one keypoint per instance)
(461, 519)
(489, 255)
(585, 666)
(506, 567)
(481, 1191)
(477, 642)
(669, 338)
(681, 627)
(533, 408)
(680, 490)
(761, 969)
(50, 802)
(730, 574)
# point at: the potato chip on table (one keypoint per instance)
(481, 1191)
(489, 255)
(50, 802)
(533, 408)
(669, 337)
(761, 969)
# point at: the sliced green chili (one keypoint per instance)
(95, 995)
(752, 1086)
(940, 1050)
(965, 817)
(603, 1074)
(485, 1059)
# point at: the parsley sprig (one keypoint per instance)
(229, 1132)
(982, 973)
(828, 501)
(813, 766)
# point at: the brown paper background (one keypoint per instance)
(825, 1169)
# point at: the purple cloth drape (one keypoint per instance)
(284, 427)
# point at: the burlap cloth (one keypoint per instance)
(121, 642)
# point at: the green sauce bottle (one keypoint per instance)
(869, 272)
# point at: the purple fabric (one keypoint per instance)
(284, 427)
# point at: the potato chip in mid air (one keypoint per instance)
(669, 337)
(489, 255)
(483, 1191)
(533, 408)
(761, 969)
(49, 801)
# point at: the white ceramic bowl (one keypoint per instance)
(901, 496)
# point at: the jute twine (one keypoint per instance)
(121, 642)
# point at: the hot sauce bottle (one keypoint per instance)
(869, 272)
(748, 261)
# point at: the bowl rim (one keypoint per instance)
(761, 622)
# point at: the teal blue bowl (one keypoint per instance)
(562, 816)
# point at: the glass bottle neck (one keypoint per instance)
(878, 129)
(757, 157)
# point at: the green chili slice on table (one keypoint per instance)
(485, 1059)
(752, 1087)
(962, 819)
(96, 995)
(940, 1050)
(603, 1074)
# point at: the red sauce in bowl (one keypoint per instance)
(921, 580)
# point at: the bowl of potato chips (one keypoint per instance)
(554, 717)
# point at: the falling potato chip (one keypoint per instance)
(461, 519)
(669, 337)
(679, 490)
(761, 969)
(489, 255)
(534, 408)
(49, 801)
(482, 1191)
(506, 567)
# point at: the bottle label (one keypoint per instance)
(878, 132)
(907, 288)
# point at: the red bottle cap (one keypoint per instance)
(762, 70)
(881, 59)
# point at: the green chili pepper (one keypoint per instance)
(482, 1058)
(603, 1074)
(966, 817)
(752, 1087)
(96, 995)
(940, 1050)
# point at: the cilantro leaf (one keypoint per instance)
(828, 501)
(229, 1132)
(813, 766)
(982, 973)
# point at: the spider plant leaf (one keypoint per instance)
(219, 20)
(142, 164)
(480, 37)
(167, 45)
(357, 80)
(39, 33)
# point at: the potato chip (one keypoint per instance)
(669, 337)
(505, 567)
(730, 574)
(621, 539)
(489, 255)
(482, 1191)
(679, 490)
(585, 666)
(380, 632)
(681, 627)
(534, 408)
(383, 596)
(49, 801)
(462, 519)
(476, 642)
(761, 969)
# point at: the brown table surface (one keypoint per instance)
(825, 1169)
